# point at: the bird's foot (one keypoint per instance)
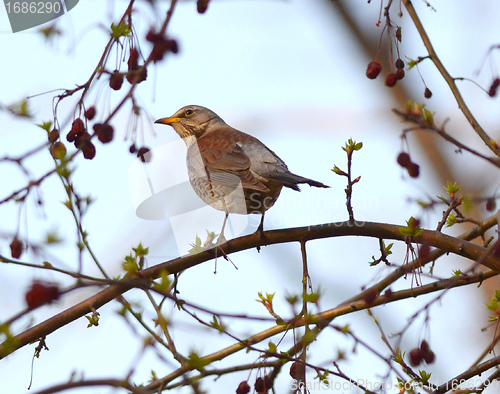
(262, 236)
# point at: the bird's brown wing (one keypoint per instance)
(225, 161)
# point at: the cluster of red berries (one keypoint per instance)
(41, 293)
(374, 69)
(82, 138)
(422, 353)
(262, 386)
(404, 161)
(136, 73)
(161, 45)
(493, 88)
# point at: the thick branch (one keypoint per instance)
(445, 243)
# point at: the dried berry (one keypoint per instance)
(391, 80)
(243, 388)
(162, 46)
(429, 357)
(259, 385)
(399, 64)
(152, 36)
(491, 204)
(137, 76)
(400, 74)
(16, 248)
(132, 148)
(89, 151)
(423, 252)
(58, 150)
(90, 113)
(133, 59)
(145, 154)
(298, 371)
(398, 34)
(404, 159)
(413, 170)
(105, 133)
(202, 6)
(82, 140)
(53, 135)
(427, 93)
(41, 293)
(494, 86)
(77, 129)
(373, 69)
(116, 80)
(416, 357)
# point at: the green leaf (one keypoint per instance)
(412, 229)
(452, 189)
(163, 286)
(196, 247)
(338, 171)
(47, 126)
(451, 220)
(216, 323)
(120, 30)
(196, 362)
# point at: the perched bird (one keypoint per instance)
(228, 169)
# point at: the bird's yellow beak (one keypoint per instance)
(167, 120)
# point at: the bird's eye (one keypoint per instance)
(189, 112)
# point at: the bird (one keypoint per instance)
(228, 169)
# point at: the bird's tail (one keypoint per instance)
(292, 180)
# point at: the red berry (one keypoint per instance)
(416, 357)
(400, 74)
(298, 371)
(413, 170)
(133, 59)
(90, 113)
(427, 93)
(243, 388)
(145, 154)
(491, 204)
(404, 159)
(259, 385)
(105, 133)
(493, 88)
(424, 346)
(429, 357)
(82, 140)
(391, 80)
(116, 80)
(373, 69)
(152, 36)
(137, 75)
(40, 294)
(89, 151)
(423, 252)
(16, 248)
(77, 129)
(202, 6)
(399, 64)
(53, 135)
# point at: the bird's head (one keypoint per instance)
(192, 121)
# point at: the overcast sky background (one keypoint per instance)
(289, 73)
